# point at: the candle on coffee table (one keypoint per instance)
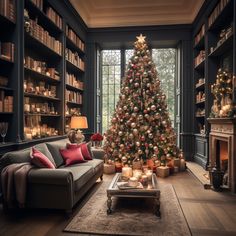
(127, 171)
(133, 182)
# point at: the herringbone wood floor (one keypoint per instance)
(207, 212)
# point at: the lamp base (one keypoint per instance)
(76, 136)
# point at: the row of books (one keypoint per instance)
(6, 102)
(200, 57)
(7, 9)
(74, 58)
(7, 51)
(38, 3)
(72, 96)
(72, 80)
(39, 33)
(74, 38)
(216, 12)
(41, 67)
(200, 34)
(53, 16)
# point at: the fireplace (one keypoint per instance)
(222, 148)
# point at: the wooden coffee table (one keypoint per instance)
(151, 191)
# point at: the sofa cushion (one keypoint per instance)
(72, 156)
(96, 164)
(40, 160)
(42, 147)
(54, 147)
(85, 149)
(81, 175)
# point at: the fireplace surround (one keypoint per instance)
(222, 148)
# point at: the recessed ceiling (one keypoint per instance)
(117, 13)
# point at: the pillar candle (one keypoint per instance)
(127, 171)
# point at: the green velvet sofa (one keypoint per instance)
(59, 188)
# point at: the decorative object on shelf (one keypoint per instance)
(96, 140)
(222, 92)
(77, 123)
(140, 126)
(26, 21)
(3, 130)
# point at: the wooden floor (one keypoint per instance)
(206, 211)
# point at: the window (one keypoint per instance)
(111, 73)
(165, 61)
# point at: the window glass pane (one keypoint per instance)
(111, 60)
(165, 61)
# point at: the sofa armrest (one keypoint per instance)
(98, 153)
(50, 176)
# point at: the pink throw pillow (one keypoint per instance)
(84, 149)
(72, 156)
(40, 160)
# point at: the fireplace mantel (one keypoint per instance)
(223, 129)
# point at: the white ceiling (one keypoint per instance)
(117, 13)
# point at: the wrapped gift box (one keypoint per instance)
(163, 171)
(109, 169)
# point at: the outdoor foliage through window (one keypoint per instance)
(165, 61)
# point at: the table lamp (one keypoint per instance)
(77, 123)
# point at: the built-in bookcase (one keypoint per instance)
(74, 79)
(213, 49)
(42, 67)
(7, 67)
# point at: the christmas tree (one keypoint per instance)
(140, 126)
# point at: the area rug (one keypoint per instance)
(130, 216)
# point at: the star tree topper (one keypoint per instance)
(141, 38)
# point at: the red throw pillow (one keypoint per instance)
(72, 156)
(84, 149)
(40, 160)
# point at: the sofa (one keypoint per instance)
(59, 188)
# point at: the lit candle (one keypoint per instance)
(127, 171)
(149, 174)
(137, 174)
(133, 182)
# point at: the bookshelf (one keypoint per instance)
(74, 79)
(7, 64)
(216, 37)
(43, 71)
(199, 79)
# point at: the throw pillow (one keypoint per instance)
(72, 156)
(40, 160)
(85, 149)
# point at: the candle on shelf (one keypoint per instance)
(133, 182)
(127, 171)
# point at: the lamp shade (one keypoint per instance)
(79, 122)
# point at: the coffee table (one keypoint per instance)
(151, 191)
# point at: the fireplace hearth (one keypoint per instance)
(222, 150)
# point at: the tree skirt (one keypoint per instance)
(130, 216)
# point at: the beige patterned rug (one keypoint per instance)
(130, 216)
